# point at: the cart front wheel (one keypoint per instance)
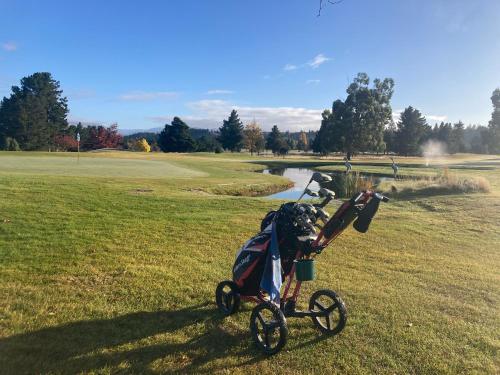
(227, 297)
(268, 327)
(333, 316)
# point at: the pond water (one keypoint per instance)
(343, 185)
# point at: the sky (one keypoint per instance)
(141, 63)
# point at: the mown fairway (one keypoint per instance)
(110, 266)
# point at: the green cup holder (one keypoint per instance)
(304, 269)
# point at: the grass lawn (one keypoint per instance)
(110, 265)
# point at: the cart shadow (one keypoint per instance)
(93, 345)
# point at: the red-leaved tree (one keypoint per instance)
(102, 137)
(66, 142)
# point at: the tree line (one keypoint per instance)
(363, 123)
(34, 117)
(232, 136)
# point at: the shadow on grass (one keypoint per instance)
(115, 344)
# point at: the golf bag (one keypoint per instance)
(251, 258)
(294, 237)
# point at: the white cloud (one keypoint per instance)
(433, 118)
(210, 113)
(313, 81)
(9, 46)
(147, 96)
(314, 63)
(436, 118)
(318, 60)
(219, 92)
(396, 115)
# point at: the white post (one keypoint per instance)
(78, 147)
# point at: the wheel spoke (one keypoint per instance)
(319, 305)
(266, 339)
(332, 307)
(273, 324)
(328, 322)
(262, 321)
(225, 298)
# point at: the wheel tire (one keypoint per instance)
(336, 319)
(270, 319)
(227, 297)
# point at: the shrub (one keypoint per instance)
(66, 143)
(141, 145)
(443, 183)
(9, 144)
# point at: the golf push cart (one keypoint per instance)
(285, 248)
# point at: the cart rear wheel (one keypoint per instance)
(268, 327)
(227, 297)
(334, 312)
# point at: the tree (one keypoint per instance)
(9, 144)
(231, 133)
(283, 148)
(366, 113)
(390, 138)
(455, 141)
(494, 124)
(411, 129)
(275, 142)
(142, 145)
(332, 2)
(65, 142)
(291, 143)
(35, 113)
(358, 123)
(176, 137)
(476, 139)
(96, 137)
(208, 143)
(253, 138)
(334, 131)
(303, 142)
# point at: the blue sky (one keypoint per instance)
(140, 63)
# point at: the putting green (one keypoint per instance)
(93, 166)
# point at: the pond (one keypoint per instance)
(344, 185)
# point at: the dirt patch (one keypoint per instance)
(143, 190)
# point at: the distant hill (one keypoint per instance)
(153, 133)
(126, 132)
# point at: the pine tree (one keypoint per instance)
(35, 113)
(231, 133)
(276, 142)
(455, 141)
(412, 127)
(176, 137)
(208, 143)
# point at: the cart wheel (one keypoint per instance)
(335, 313)
(268, 327)
(227, 297)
